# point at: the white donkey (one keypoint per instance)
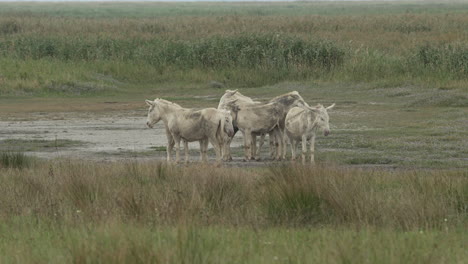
(287, 101)
(302, 124)
(233, 98)
(254, 120)
(206, 125)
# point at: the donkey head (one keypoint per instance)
(320, 117)
(154, 114)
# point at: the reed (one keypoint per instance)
(15, 160)
(243, 49)
(285, 196)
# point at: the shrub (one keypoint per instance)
(450, 57)
(15, 160)
(9, 27)
(292, 196)
(249, 51)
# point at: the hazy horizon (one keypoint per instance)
(220, 1)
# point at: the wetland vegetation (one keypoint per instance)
(391, 183)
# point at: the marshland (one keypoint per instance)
(84, 181)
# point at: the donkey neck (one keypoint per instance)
(167, 110)
(288, 100)
(313, 117)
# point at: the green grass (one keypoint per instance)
(25, 145)
(159, 148)
(135, 46)
(117, 243)
(15, 160)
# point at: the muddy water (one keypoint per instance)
(104, 137)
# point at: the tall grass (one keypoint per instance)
(158, 193)
(29, 242)
(404, 200)
(15, 160)
(152, 212)
(244, 51)
(241, 49)
(450, 58)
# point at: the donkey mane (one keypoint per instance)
(284, 95)
(166, 102)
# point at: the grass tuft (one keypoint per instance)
(16, 160)
(293, 197)
(8, 27)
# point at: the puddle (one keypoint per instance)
(111, 135)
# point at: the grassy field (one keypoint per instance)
(113, 48)
(82, 212)
(391, 185)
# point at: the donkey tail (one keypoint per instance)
(220, 131)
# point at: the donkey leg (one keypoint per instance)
(260, 145)
(205, 150)
(247, 145)
(177, 148)
(186, 149)
(201, 149)
(217, 147)
(285, 143)
(293, 149)
(224, 149)
(170, 145)
(296, 145)
(279, 144)
(271, 139)
(304, 148)
(222, 144)
(312, 149)
(253, 147)
(227, 149)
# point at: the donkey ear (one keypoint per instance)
(331, 106)
(149, 102)
(231, 92)
(231, 104)
(314, 109)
